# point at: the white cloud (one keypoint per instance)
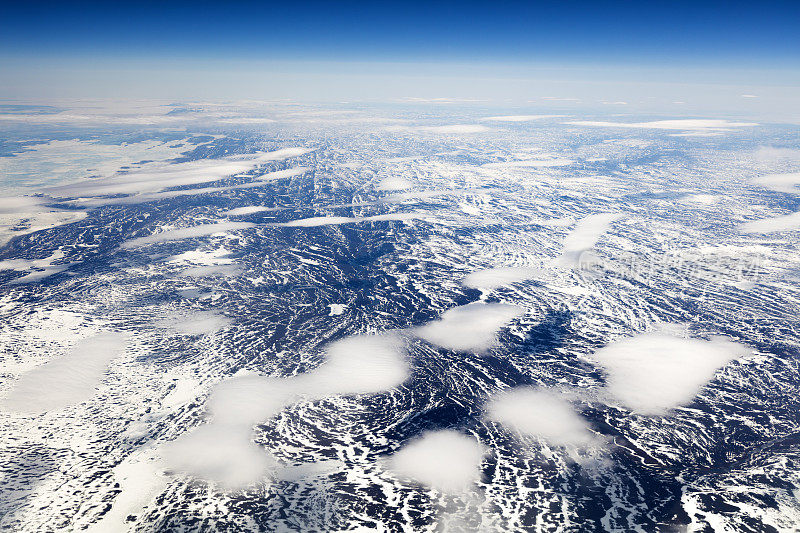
(776, 154)
(260, 181)
(66, 380)
(13, 205)
(444, 460)
(193, 232)
(330, 221)
(588, 231)
(222, 450)
(337, 309)
(282, 174)
(57, 162)
(680, 124)
(414, 195)
(394, 183)
(318, 221)
(653, 372)
(197, 323)
(245, 120)
(780, 182)
(699, 133)
(772, 225)
(471, 327)
(493, 278)
(364, 364)
(200, 271)
(542, 414)
(532, 163)
(206, 263)
(248, 210)
(521, 118)
(32, 215)
(584, 236)
(223, 453)
(157, 176)
(456, 129)
(42, 268)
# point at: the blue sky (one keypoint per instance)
(642, 31)
(54, 42)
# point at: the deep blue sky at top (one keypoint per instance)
(715, 33)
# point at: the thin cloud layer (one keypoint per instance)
(158, 176)
(456, 129)
(248, 210)
(332, 221)
(494, 278)
(652, 373)
(196, 323)
(282, 174)
(260, 181)
(532, 163)
(66, 380)
(41, 268)
(680, 124)
(772, 225)
(193, 232)
(471, 327)
(542, 414)
(200, 271)
(445, 460)
(36, 216)
(520, 118)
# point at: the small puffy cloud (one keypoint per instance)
(471, 327)
(66, 380)
(651, 373)
(363, 364)
(542, 414)
(394, 183)
(584, 236)
(588, 231)
(220, 453)
(772, 225)
(780, 182)
(776, 154)
(444, 460)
